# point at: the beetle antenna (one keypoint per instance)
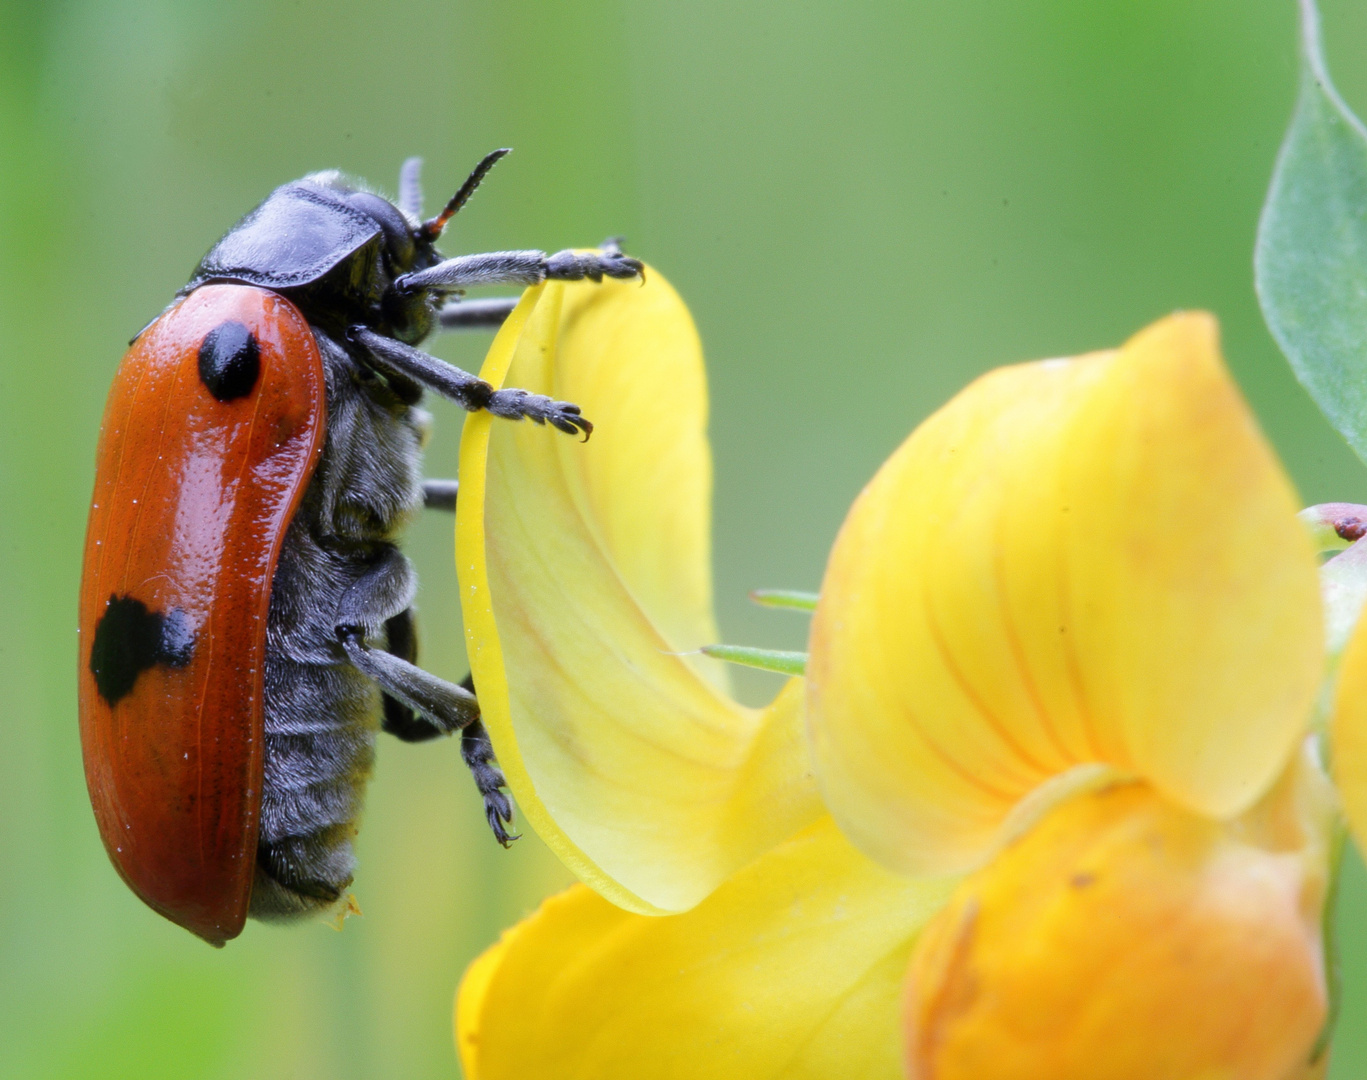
(410, 187)
(432, 227)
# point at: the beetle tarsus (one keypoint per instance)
(513, 404)
(478, 753)
(576, 266)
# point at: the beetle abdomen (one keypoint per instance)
(321, 714)
(319, 751)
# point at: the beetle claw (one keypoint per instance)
(478, 753)
(514, 404)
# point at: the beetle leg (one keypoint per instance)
(467, 390)
(382, 595)
(440, 494)
(434, 708)
(401, 640)
(478, 753)
(444, 705)
(476, 314)
(475, 748)
(385, 589)
(520, 268)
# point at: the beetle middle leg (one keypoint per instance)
(466, 390)
(418, 705)
(440, 494)
(476, 314)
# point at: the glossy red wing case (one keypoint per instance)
(198, 475)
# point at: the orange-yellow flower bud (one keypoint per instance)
(1124, 938)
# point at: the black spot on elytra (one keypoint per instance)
(129, 639)
(229, 361)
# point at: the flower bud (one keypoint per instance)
(1124, 938)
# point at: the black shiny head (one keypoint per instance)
(336, 250)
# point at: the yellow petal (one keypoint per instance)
(586, 588)
(1124, 938)
(1094, 560)
(1348, 734)
(792, 969)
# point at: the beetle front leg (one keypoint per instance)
(466, 390)
(521, 268)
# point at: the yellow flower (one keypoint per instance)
(1067, 649)
(586, 584)
(1123, 936)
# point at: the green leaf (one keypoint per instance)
(1310, 263)
(785, 598)
(785, 663)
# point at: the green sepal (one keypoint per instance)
(1333, 961)
(791, 599)
(785, 663)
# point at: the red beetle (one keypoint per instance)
(246, 618)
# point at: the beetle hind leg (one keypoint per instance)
(419, 707)
(478, 754)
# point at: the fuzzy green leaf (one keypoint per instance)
(1311, 257)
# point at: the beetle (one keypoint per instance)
(246, 614)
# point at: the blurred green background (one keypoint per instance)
(865, 205)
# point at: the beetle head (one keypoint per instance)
(336, 249)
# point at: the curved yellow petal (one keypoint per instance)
(1348, 734)
(586, 588)
(1077, 561)
(791, 970)
(1124, 937)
